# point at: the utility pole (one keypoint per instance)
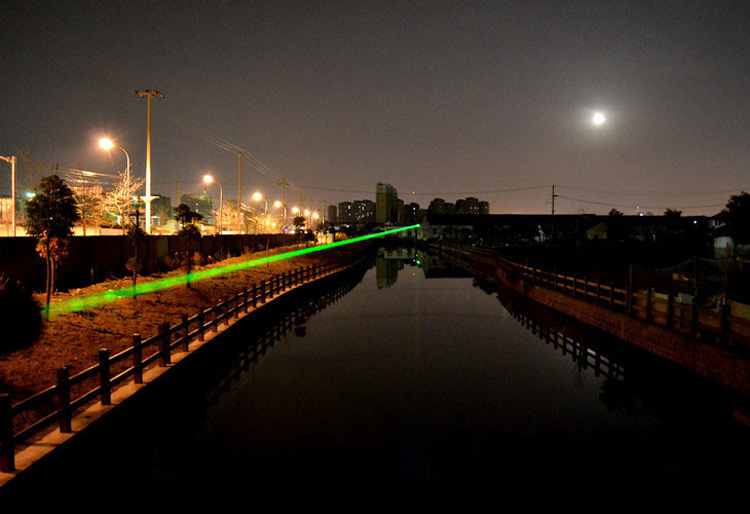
(552, 231)
(12, 161)
(283, 184)
(553, 200)
(239, 198)
(148, 94)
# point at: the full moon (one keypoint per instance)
(598, 118)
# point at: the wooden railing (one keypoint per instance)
(58, 403)
(727, 325)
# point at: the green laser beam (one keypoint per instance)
(95, 300)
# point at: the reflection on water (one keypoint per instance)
(412, 374)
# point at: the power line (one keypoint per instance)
(653, 193)
(610, 204)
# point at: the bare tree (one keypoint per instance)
(117, 201)
(229, 213)
(89, 204)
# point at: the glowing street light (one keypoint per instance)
(208, 179)
(107, 144)
(257, 196)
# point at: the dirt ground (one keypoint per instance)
(74, 339)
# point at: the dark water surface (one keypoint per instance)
(411, 382)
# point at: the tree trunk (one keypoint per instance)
(48, 264)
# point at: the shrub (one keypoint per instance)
(20, 315)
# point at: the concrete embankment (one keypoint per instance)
(706, 356)
(159, 358)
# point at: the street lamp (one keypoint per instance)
(208, 179)
(257, 196)
(107, 144)
(12, 161)
(150, 94)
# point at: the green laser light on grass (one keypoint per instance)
(95, 300)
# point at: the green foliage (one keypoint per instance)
(187, 220)
(188, 229)
(50, 216)
(20, 316)
(52, 211)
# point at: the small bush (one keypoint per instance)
(20, 315)
(170, 262)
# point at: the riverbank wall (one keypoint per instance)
(130, 376)
(93, 258)
(714, 345)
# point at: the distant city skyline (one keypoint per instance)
(637, 106)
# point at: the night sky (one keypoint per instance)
(439, 99)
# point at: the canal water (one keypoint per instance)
(412, 375)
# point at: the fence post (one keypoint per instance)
(137, 359)
(255, 295)
(8, 456)
(201, 328)
(104, 377)
(649, 295)
(63, 400)
(263, 291)
(164, 351)
(215, 312)
(187, 330)
(244, 299)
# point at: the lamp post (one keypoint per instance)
(107, 144)
(208, 179)
(257, 196)
(12, 161)
(148, 94)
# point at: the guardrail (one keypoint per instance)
(58, 403)
(727, 326)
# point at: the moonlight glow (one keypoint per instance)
(598, 119)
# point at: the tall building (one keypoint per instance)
(386, 204)
(437, 206)
(346, 212)
(364, 211)
(468, 205)
(332, 214)
(411, 213)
